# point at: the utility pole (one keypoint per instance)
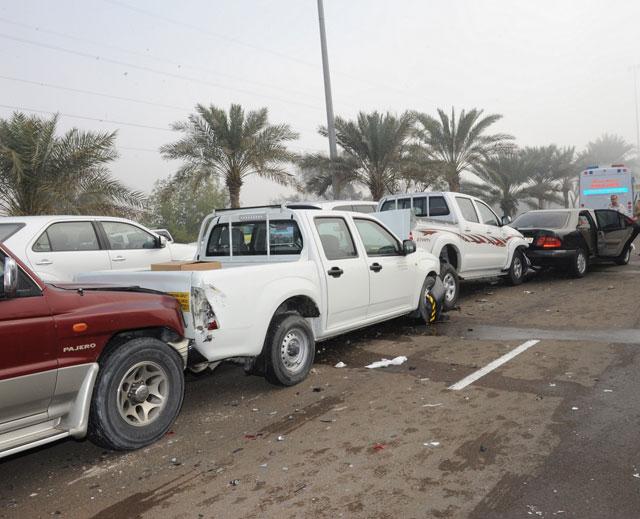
(635, 94)
(333, 154)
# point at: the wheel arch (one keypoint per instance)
(162, 333)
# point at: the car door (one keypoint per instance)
(390, 277)
(495, 251)
(614, 232)
(132, 248)
(28, 353)
(345, 272)
(65, 248)
(473, 237)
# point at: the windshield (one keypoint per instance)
(9, 229)
(541, 220)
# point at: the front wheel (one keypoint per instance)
(137, 395)
(624, 258)
(290, 350)
(517, 269)
(451, 284)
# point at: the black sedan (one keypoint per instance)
(571, 238)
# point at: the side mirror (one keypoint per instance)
(10, 278)
(408, 247)
(162, 242)
(506, 220)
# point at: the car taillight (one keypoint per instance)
(547, 242)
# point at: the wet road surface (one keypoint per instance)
(552, 432)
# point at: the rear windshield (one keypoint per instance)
(552, 220)
(250, 238)
(9, 229)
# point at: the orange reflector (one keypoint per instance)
(80, 327)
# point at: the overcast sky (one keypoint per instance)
(558, 71)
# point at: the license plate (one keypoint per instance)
(528, 239)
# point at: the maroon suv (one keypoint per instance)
(78, 360)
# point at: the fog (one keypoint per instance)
(559, 72)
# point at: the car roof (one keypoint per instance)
(327, 204)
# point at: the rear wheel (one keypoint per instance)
(624, 258)
(451, 283)
(517, 270)
(579, 266)
(427, 309)
(290, 350)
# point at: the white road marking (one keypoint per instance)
(492, 365)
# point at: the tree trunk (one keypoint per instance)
(565, 193)
(453, 179)
(540, 203)
(377, 189)
(234, 183)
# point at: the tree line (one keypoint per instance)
(43, 173)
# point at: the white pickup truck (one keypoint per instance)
(462, 231)
(289, 278)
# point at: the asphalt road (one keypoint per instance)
(551, 432)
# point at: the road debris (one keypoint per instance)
(379, 447)
(280, 438)
(386, 362)
(340, 365)
(431, 444)
(431, 405)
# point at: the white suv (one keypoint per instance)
(58, 247)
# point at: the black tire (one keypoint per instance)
(290, 350)
(451, 283)
(579, 264)
(427, 310)
(517, 270)
(624, 258)
(120, 420)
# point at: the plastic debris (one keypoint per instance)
(252, 436)
(431, 444)
(300, 488)
(386, 362)
(340, 365)
(637, 475)
(264, 465)
(234, 483)
(280, 438)
(431, 405)
(608, 390)
(380, 447)
(527, 291)
(170, 432)
(284, 469)
(272, 453)
(574, 408)
(272, 413)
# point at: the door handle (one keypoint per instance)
(467, 229)
(376, 267)
(119, 258)
(488, 231)
(44, 262)
(335, 272)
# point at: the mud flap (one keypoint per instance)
(436, 298)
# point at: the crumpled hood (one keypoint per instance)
(104, 287)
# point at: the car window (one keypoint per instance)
(362, 208)
(541, 220)
(67, 236)
(467, 209)
(337, 242)
(389, 205)
(438, 206)
(486, 214)
(250, 238)
(377, 240)
(583, 221)
(609, 219)
(404, 203)
(126, 236)
(9, 229)
(420, 205)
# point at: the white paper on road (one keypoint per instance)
(386, 362)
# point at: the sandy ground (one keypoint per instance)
(553, 432)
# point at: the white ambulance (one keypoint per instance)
(598, 183)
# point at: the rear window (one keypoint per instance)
(533, 220)
(9, 229)
(250, 238)
(438, 206)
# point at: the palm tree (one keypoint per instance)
(543, 185)
(606, 150)
(376, 152)
(232, 147)
(565, 172)
(44, 174)
(504, 180)
(460, 144)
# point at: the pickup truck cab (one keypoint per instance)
(462, 231)
(78, 359)
(290, 278)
